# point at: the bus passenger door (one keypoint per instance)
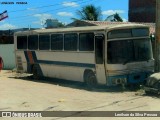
(99, 59)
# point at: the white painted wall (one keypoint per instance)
(8, 55)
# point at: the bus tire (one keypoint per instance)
(35, 72)
(90, 80)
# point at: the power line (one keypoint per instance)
(28, 19)
(40, 7)
(48, 11)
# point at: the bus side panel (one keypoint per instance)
(62, 72)
(65, 65)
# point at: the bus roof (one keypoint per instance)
(86, 28)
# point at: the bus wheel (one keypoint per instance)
(35, 72)
(90, 80)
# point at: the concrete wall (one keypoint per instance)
(8, 55)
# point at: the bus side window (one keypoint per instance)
(21, 42)
(99, 49)
(57, 42)
(70, 41)
(44, 42)
(86, 41)
(33, 42)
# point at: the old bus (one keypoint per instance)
(110, 55)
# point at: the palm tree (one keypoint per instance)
(90, 12)
(114, 18)
(118, 18)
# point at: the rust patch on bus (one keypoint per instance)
(30, 56)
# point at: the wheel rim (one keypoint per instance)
(91, 81)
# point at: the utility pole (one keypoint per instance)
(157, 57)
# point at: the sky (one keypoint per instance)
(33, 13)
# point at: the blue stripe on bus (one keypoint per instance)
(26, 55)
(67, 63)
(37, 65)
(28, 63)
(34, 56)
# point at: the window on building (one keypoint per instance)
(33, 42)
(21, 42)
(86, 42)
(70, 41)
(6, 39)
(44, 42)
(57, 42)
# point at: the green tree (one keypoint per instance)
(114, 18)
(90, 12)
(60, 24)
(118, 18)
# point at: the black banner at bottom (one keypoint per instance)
(79, 114)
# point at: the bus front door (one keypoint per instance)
(99, 59)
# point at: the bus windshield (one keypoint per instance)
(124, 51)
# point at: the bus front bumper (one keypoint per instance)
(133, 78)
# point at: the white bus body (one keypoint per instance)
(117, 54)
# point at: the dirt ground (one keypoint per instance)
(19, 92)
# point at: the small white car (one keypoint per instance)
(153, 84)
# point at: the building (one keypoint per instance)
(53, 23)
(142, 11)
